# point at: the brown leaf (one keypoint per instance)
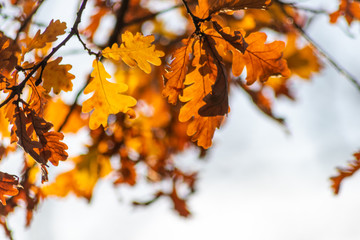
(23, 132)
(217, 103)
(179, 204)
(176, 72)
(8, 186)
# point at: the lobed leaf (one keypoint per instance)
(260, 59)
(57, 76)
(50, 34)
(107, 99)
(135, 51)
(176, 72)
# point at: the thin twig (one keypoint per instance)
(17, 90)
(84, 45)
(320, 50)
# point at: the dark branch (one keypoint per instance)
(17, 90)
(196, 20)
(119, 22)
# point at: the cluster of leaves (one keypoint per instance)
(130, 123)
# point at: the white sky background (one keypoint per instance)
(257, 183)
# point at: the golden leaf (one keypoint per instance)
(107, 98)
(135, 51)
(56, 76)
(49, 35)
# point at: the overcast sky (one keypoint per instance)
(258, 182)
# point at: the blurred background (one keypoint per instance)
(259, 181)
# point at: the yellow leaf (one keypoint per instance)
(107, 98)
(56, 76)
(49, 35)
(135, 51)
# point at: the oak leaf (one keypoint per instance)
(199, 84)
(53, 30)
(261, 59)
(23, 130)
(176, 72)
(57, 76)
(135, 51)
(107, 99)
(52, 149)
(8, 186)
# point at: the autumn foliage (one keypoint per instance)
(148, 98)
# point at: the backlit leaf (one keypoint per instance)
(176, 72)
(261, 59)
(107, 99)
(57, 76)
(135, 51)
(49, 35)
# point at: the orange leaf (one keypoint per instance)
(198, 85)
(49, 35)
(57, 76)
(176, 72)
(261, 60)
(8, 186)
(349, 9)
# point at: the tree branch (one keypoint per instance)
(17, 90)
(119, 22)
